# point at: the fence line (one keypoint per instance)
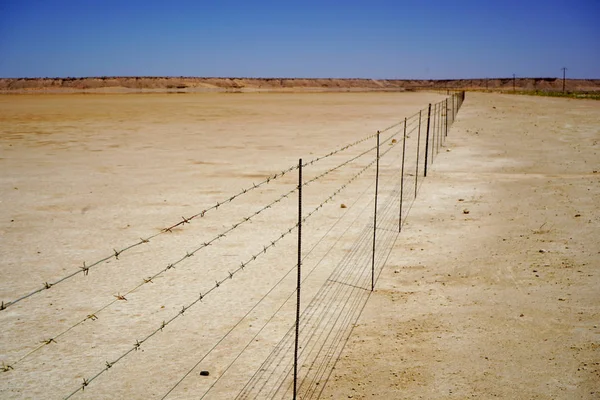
(278, 309)
(275, 390)
(343, 295)
(335, 278)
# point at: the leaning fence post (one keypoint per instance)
(375, 218)
(299, 275)
(418, 145)
(402, 177)
(427, 140)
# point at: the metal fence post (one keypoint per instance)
(402, 177)
(438, 112)
(453, 113)
(434, 132)
(427, 140)
(418, 145)
(299, 275)
(375, 218)
(439, 128)
(446, 124)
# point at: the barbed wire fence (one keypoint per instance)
(348, 257)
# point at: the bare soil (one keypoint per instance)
(491, 289)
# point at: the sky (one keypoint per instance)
(378, 39)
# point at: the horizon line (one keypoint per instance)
(284, 78)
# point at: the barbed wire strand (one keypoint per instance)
(86, 268)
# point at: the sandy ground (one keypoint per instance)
(466, 306)
(503, 301)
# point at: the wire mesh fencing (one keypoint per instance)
(274, 308)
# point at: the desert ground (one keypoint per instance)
(490, 290)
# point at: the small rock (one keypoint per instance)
(577, 215)
(394, 141)
(543, 251)
(522, 315)
(204, 373)
(465, 211)
(343, 205)
(461, 199)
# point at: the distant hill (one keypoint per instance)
(192, 84)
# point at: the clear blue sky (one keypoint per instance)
(252, 38)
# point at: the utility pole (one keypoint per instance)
(514, 83)
(564, 70)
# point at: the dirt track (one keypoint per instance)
(501, 301)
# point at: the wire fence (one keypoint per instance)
(338, 273)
